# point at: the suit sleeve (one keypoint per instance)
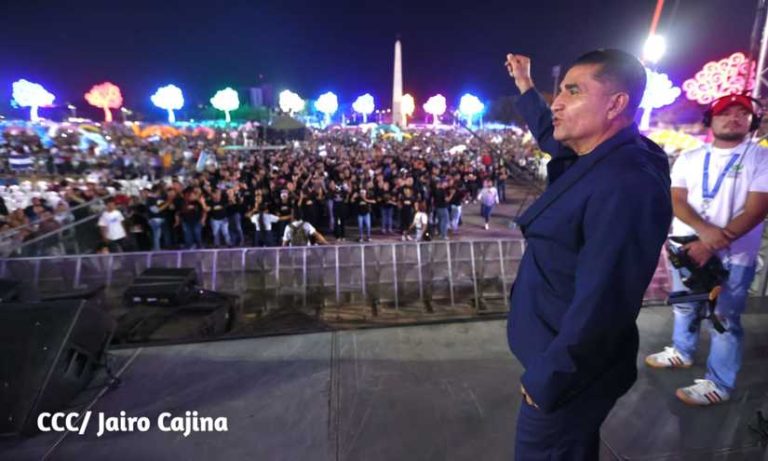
(624, 226)
(538, 117)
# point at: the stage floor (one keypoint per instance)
(435, 392)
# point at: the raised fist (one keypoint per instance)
(519, 68)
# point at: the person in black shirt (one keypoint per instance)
(387, 203)
(192, 216)
(318, 194)
(217, 215)
(137, 225)
(155, 207)
(308, 205)
(407, 202)
(501, 180)
(235, 211)
(340, 197)
(173, 205)
(456, 201)
(440, 202)
(363, 202)
(284, 209)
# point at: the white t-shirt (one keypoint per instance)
(308, 229)
(750, 171)
(113, 221)
(420, 220)
(488, 196)
(269, 219)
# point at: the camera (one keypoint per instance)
(703, 282)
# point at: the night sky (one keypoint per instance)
(342, 46)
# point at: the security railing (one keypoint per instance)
(475, 274)
(79, 236)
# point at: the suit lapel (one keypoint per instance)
(572, 175)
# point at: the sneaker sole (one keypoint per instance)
(653, 364)
(688, 401)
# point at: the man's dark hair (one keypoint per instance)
(620, 69)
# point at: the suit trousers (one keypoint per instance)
(569, 433)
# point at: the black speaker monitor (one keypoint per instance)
(48, 354)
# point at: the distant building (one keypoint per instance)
(261, 96)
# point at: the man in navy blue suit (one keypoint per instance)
(593, 238)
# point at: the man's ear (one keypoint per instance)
(618, 105)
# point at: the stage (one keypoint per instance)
(429, 392)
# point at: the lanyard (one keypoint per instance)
(705, 192)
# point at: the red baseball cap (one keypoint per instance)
(725, 102)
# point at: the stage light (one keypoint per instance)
(654, 49)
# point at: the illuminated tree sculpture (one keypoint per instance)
(435, 106)
(290, 102)
(659, 92)
(364, 105)
(32, 95)
(226, 100)
(407, 106)
(720, 78)
(469, 106)
(169, 98)
(105, 96)
(328, 104)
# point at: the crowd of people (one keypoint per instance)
(197, 191)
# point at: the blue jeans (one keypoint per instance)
(236, 229)
(501, 188)
(455, 217)
(724, 359)
(157, 225)
(485, 212)
(331, 217)
(364, 221)
(386, 218)
(220, 227)
(193, 234)
(443, 216)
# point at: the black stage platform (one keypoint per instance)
(437, 392)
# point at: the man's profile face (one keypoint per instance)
(580, 109)
(732, 124)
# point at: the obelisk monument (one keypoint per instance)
(397, 88)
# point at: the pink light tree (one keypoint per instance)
(105, 96)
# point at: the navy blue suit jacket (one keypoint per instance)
(593, 242)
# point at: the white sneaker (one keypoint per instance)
(703, 393)
(486, 226)
(669, 358)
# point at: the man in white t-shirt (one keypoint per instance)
(720, 193)
(112, 228)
